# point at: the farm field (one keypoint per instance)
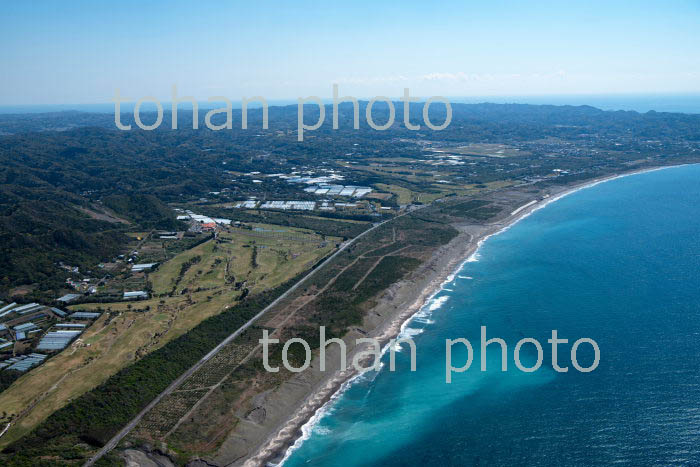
(194, 285)
(406, 196)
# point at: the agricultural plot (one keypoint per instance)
(192, 287)
(406, 196)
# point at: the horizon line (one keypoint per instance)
(398, 98)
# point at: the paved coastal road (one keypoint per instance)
(130, 426)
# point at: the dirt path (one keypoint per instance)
(280, 327)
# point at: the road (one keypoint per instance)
(119, 436)
(112, 443)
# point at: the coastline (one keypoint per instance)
(441, 269)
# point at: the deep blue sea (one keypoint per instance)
(659, 102)
(618, 262)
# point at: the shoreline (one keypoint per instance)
(281, 443)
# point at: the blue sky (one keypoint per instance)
(55, 52)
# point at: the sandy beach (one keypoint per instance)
(279, 420)
(384, 322)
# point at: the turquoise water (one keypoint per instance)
(619, 263)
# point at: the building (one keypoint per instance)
(250, 204)
(23, 362)
(27, 308)
(289, 205)
(57, 340)
(143, 267)
(68, 298)
(136, 295)
(59, 313)
(7, 309)
(24, 327)
(84, 315)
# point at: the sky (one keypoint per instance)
(80, 52)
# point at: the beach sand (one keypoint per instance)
(291, 410)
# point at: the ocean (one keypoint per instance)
(618, 262)
(659, 102)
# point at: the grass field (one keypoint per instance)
(482, 149)
(122, 335)
(406, 196)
